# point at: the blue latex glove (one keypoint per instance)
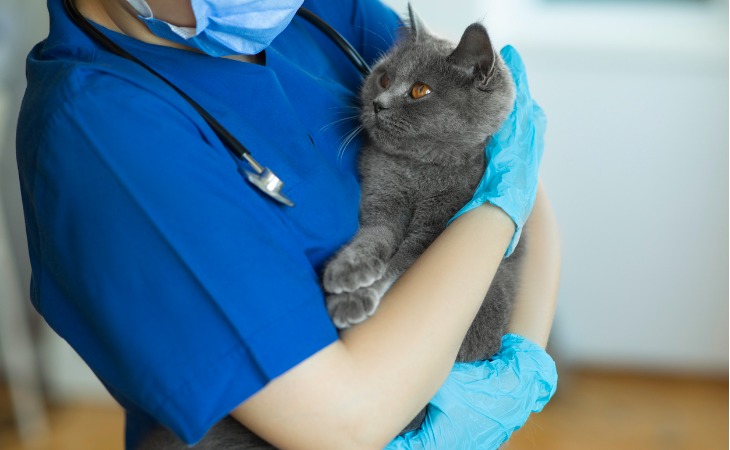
(513, 155)
(482, 403)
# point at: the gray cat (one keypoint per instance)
(429, 109)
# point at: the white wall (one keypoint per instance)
(636, 165)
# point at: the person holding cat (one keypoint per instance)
(192, 297)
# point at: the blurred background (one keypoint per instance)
(636, 165)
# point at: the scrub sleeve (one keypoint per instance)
(183, 288)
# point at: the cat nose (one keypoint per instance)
(377, 106)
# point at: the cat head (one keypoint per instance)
(426, 95)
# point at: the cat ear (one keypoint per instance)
(418, 29)
(475, 52)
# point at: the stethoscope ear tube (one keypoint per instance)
(338, 39)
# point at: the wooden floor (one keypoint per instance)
(595, 411)
(591, 411)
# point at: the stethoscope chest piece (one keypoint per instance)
(269, 184)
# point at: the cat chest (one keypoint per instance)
(432, 194)
(433, 191)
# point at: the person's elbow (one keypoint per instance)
(323, 403)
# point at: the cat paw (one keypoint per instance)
(350, 271)
(351, 308)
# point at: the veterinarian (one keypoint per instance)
(193, 295)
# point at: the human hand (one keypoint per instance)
(513, 155)
(482, 403)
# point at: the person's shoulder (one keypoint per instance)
(68, 91)
(64, 79)
(370, 25)
(326, 7)
(343, 6)
(345, 13)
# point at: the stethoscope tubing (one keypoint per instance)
(338, 39)
(264, 179)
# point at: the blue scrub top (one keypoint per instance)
(183, 287)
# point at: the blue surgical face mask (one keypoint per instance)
(225, 27)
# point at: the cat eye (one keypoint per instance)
(384, 80)
(420, 90)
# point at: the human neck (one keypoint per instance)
(120, 16)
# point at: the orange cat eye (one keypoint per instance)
(419, 90)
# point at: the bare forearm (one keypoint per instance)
(536, 299)
(424, 317)
(381, 373)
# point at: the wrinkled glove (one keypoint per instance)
(482, 403)
(513, 155)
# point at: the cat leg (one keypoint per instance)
(384, 218)
(350, 308)
(352, 278)
(412, 247)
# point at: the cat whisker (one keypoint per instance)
(351, 101)
(353, 134)
(347, 140)
(338, 121)
(344, 114)
(387, 28)
(387, 44)
(348, 111)
(344, 107)
(380, 53)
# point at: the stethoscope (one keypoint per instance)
(262, 177)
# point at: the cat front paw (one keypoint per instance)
(350, 308)
(350, 271)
